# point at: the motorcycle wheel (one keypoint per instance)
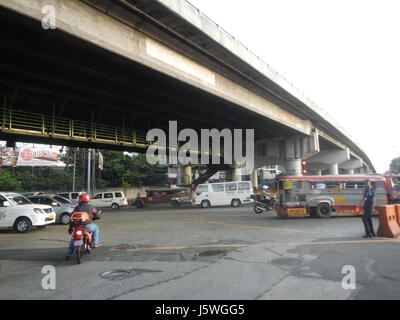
(257, 209)
(78, 254)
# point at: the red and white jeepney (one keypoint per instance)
(324, 196)
(393, 188)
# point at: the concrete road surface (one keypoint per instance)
(216, 253)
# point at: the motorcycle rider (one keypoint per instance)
(266, 196)
(84, 206)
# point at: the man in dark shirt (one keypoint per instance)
(369, 206)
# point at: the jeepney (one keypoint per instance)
(324, 196)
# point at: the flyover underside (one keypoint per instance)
(52, 73)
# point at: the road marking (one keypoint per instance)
(241, 245)
(257, 227)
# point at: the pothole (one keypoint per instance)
(128, 247)
(210, 253)
(115, 274)
(291, 262)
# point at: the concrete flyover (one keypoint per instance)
(138, 64)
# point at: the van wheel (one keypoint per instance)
(115, 206)
(22, 225)
(205, 204)
(65, 218)
(235, 203)
(323, 210)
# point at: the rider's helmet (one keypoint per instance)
(84, 198)
(265, 188)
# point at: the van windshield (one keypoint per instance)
(201, 189)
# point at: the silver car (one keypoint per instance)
(61, 206)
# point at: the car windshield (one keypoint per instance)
(18, 199)
(61, 199)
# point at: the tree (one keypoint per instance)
(395, 165)
(8, 182)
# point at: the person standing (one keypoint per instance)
(369, 206)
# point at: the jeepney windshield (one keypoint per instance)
(288, 190)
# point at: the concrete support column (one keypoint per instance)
(254, 178)
(188, 175)
(350, 171)
(180, 175)
(334, 169)
(237, 174)
(293, 167)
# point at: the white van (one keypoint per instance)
(223, 194)
(21, 214)
(71, 196)
(113, 200)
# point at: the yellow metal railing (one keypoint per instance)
(29, 123)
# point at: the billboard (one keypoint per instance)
(28, 156)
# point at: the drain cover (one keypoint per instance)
(210, 253)
(286, 262)
(115, 274)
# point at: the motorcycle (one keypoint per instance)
(83, 239)
(260, 207)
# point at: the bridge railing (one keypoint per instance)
(29, 123)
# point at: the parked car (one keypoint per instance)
(72, 196)
(175, 196)
(19, 213)
(61, 206)
(113, 200)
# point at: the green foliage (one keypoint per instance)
(395, 165)
(120, 170)
(8, 182)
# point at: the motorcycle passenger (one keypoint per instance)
(84, 206)
(266, 195)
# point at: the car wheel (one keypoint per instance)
(65, 218)
(22, 225)
(115, 206)
(235, 203)
(323, 210)
(205, 204)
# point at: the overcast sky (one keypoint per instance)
(343, 55)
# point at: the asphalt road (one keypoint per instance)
(216, 253)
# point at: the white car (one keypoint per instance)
(113, 200)
(19, 213)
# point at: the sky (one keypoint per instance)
(343, 55)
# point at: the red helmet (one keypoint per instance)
(84, 198)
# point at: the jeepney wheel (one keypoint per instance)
(323, 210)
(175, 203)
(205, 204)
(138, 204)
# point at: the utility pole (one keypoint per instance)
(94, 172)
(89, 172)
(73, 177)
